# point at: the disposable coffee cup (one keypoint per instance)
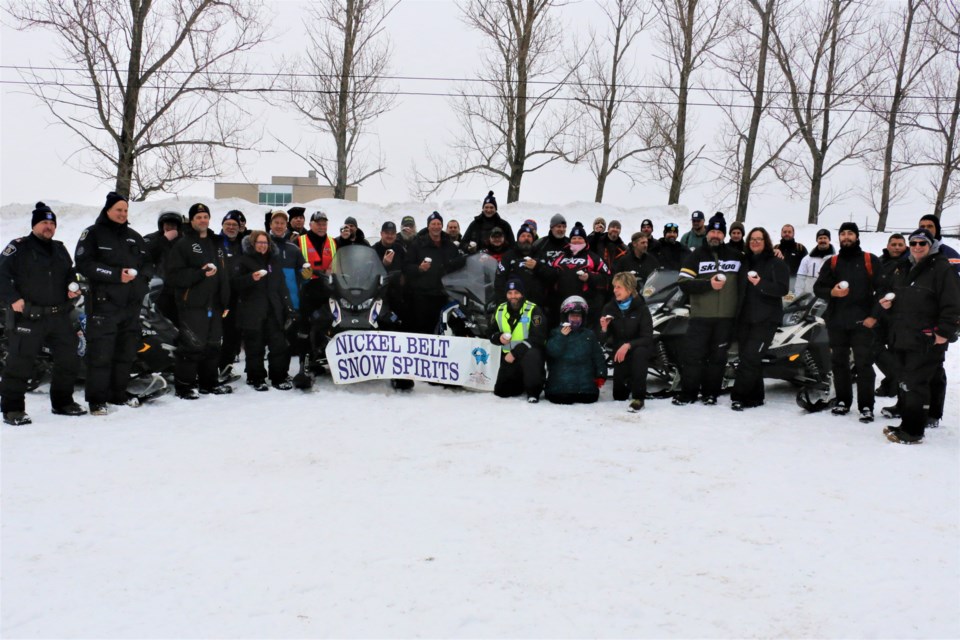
(844, 284)
(209, 266)
(262, 272)
(890, 296)
(73, 286)
(306, 265)
(565, 324)
(506, 335)
(132, 272)
(721, 277)
(428, 260)
(581, 272)
(752, 274)
(390, 251)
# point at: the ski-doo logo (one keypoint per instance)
(728, 266)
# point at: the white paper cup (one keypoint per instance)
(132, 272)
(209, 266)
(262, 272)
(565, 324)
(721, 277)
(73, 286)
(890, 296)
(428, 260)
(752, 274)
(581, 272)
(505, 335)
(844, 284)
(306, 265)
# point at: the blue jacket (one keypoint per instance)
(574, 362)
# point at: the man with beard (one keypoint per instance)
(580, 272)
(35, 275)
(453, 230)
(599, 230)
(926, 317)
(159, 243)
(519, 262)
(112, 256)
(848, 282)
(231, 241)
(894, 266)
(813, 261)
(646, 226)
(356, 234)
(931, 223)
(610, 246)
(736, 237)
(520, 329)
(297, 221)
(392, 255)
(429, 258)
(670, 253)
(637, 260)
(197, 269)
(694, 238)
(551, 245)
(408, 230)
(789, 250)
(714, 279)
(496, 244)
(477, 234)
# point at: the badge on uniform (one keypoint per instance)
(10, 250)
(524, 319)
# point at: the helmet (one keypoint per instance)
(169, 216)
(574, 304)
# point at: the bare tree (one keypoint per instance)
(605, 83)
(338, 86)
(906, 44)
(744, 61)
(688, 31)
(506, 132)
(154, 92)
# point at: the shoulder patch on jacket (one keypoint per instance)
(10, 249)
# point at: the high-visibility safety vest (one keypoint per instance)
(520, 331)
(319, 262)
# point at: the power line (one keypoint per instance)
(448, 79)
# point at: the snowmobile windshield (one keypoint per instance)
(661, 285)
(357, 269)
(800, 303)
(474, 282)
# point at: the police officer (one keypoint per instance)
(520, 329)
(113, 257)
(197, 268)
(35, 273)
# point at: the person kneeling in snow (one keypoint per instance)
(576, 368)
(520, 329)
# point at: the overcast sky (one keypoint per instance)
(428, 39)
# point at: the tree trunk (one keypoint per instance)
(948, 154)
(520, 127)
(816, 178)
(126, 146)
(343, 101)
(746, 176)
(680, 144)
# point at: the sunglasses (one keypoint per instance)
(918, 243)
(671, 226)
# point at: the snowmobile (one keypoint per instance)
(355, 292)
(670, 313)
(472, 299)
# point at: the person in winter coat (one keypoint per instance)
(761, 313)
(579, 271)
(113, 257)
(737, 241)
(263, 309)
(198, 270)
(477, 234)
(669, 252)
(695, 238)
(637, 260)
(789, 250)
(289, 254)
(926, 317)
(810, 266)
(551, 245)
(931, 223)
(496, 244)
(519, 329)
(158, 245)
(230, 239)
(35, 275)
(713, 278)
(894, 266)
(626, 325)
(429, 258)
(576, 368)
(611, 246)
(519, 262)
(848, 281)
(599, 230)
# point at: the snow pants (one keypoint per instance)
(703, 356)
(26, 338)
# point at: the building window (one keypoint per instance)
(275, 195)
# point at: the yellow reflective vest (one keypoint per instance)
(521, 331)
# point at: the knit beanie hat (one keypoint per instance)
(112, 198)
(717, 223)
(922, 234)
(199, 207)
(490, 200)
(434, 216)
(525, 228)
(737, 225)
(41, 213)
(578, 231)
(297, 212)
(515, 284)
(936, 223)
(236, 215)
(850, 226)
(823, 232)
(557, 219)
(350, 220)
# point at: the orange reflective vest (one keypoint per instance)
(320, 262)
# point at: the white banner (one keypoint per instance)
(355, 356)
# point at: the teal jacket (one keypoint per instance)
(574, 362)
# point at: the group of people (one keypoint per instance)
(563, 297)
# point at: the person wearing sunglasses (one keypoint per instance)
(925, 318)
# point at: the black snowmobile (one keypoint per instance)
(472, 298)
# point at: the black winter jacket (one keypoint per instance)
(480, 228)
(103, 252)
(763, 302)
(670, 254)
(445, 256)
(548, 248)
(849, 311)
(640, 267)
(633, 325)
(192, 288)
(927, 302)
(536, 281)
(257, 298)
(36, 270)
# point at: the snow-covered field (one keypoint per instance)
(357, 511)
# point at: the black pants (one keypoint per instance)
(752, 341)
(860, 340)
(26, 338)
(232, 339)
(574, 398)
(519, 376)
(630, 376)
(918, 370)
(703, 356)
(425, 313)
(113, 338)
(166, 304)
(198, 351)
(269, 335)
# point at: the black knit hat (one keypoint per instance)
(578, 231)
(515, 283)
(112, 198)
(41, 213)
(823, 232)
(196, 208)
(647, 222)
(717, 223)
(922, 234)
(434, 216)
(490, 200)
(297, 212)
(850, 226)
(525, 228)
(936, 223)
(236, 215)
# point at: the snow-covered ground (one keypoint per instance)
(356, 511)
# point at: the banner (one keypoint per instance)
(356, 356)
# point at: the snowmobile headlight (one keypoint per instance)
(335, 311)
(792, 318)
(366, 304)
(655, 307)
